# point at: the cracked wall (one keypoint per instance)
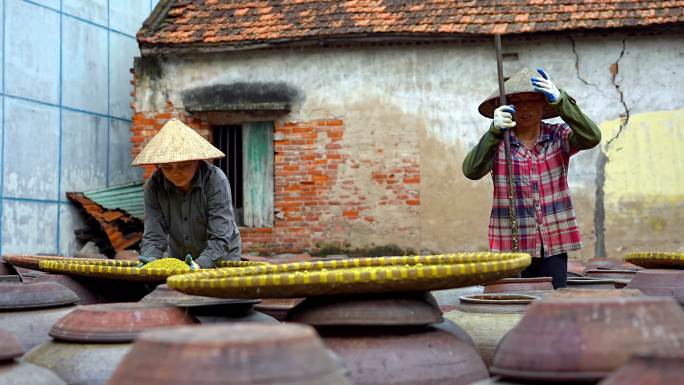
(429, 95)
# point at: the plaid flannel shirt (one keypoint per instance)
(543, 206)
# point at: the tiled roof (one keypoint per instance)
(106, 214)
(252, 22)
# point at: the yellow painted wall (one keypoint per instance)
(644, 185)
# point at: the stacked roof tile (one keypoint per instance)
(248, 22)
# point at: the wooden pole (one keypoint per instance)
(507, 149)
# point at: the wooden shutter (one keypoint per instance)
(257, 167)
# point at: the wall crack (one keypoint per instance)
(604, 158)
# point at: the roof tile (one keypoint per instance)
(245, 22)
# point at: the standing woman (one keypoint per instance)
(540, 152)
(188, 209)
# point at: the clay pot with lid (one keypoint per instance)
(648, 370)
(450, 298)
(517, 285)
(584, 339)
(90, 341)
(659, 282)
(13, 372)
(591, 283)
(392, 338)
(238, 353)
(209, 309)
(277, 308)
(488, 317)
(29, 309)
(611, 273)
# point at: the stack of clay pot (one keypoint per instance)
(392, 339)
(13, 372)
(90, 341)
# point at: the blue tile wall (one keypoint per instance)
(29, 227)
(84, 151)
(120, 74)
(127, 16)
(65, 116)
(120, 170)
(84, 57)
(94, 11)
(31, 51)
(31, 150)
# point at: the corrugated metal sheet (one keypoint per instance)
(128, 198)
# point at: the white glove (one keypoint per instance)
(503, 119)
(545, 86)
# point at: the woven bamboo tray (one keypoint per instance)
(656, 260)
(352, 276)
(32, 261)
(116, 269)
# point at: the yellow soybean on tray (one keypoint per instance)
(122, 270)
(656, 260)
(352, 276)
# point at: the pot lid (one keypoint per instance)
(117, 322)
(164, 294)
(33, 295)
(398, 309)
(10, 348)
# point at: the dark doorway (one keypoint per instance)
(229, 140)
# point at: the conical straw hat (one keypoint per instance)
(176, 142)
(518, 84)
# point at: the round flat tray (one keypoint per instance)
(33, 261)
(109, 269)
(656, 260)
(352, 276)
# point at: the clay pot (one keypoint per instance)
(584, 339)
(575, 266)
(234, 353)
(591, 283)
(450, 298)
(28, 310)
(408, 309)
(209, 309)
(603, 263)
(611, 274)
(659, 282)
(91, 340)
(516, 285)
(488, 317)
(277, 308)
(648, 370)
(15, 373)
(393, 338)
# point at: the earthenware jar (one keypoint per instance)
(517, 285)
(90, 341)
(585, 338)
(611, 273)
(209, 309)
(488, 317)
(450, 298)
(648, 370)
(16, 373)
(29, 309)
(277, 308)
(659, 282)
(238, 353)
(392, 339)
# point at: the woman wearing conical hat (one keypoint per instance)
(188, 209)
(540, 152)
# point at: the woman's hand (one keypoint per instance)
(545, 86)
(503, 120)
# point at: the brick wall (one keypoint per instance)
(321, 190)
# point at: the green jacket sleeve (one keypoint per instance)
(478, 162)
(585, 134)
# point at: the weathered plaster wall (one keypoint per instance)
(419, 104)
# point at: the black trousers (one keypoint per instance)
(555, 266)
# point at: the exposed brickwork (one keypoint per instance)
(245, 22)
(313, 201)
